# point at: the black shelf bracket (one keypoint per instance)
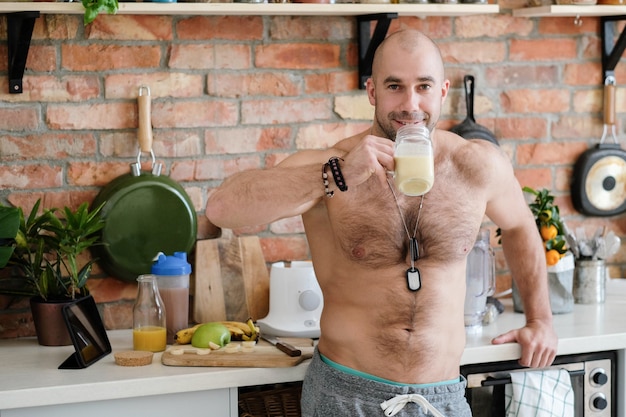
(611, 51)
(19, 33)
(368, 44)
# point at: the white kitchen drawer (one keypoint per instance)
(213, 403)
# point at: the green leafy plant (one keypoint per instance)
(9, 225)
(549, 224)
(45, 261)
(95, 7)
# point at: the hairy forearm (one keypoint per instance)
(256, 197)
(525, 257)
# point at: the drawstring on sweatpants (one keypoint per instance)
(393, 406)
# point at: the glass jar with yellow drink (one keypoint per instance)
(149, 325)
(413, 155)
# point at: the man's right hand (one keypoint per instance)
(372, 155)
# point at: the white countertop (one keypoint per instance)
(29, 375)
(589, 328)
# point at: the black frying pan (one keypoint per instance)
(599, 183)
(144, 212)
(468, 128)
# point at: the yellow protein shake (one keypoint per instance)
(415, 170)
(414, 174)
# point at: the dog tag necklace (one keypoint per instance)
(413, 278)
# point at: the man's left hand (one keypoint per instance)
(538, 341)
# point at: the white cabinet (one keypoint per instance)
(213, 403)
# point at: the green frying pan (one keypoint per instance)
(144, 212)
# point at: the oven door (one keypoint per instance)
(591, 378)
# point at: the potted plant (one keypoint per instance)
(45, 263)
(559, 261)
(549, 224)
(9, 225)
(94, 7)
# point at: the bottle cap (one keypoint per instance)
(171, 265)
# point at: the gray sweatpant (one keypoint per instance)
(330, 392)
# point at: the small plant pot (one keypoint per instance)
(49, 324)
(560, 284)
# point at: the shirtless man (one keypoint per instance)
(381, 341)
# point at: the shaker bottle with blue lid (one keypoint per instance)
(172, 274)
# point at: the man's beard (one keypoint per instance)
(386, 125)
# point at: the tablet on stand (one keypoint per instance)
(86, 329)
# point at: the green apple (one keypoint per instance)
(209, 335)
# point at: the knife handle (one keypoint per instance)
(288, 349)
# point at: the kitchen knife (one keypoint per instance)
(282, 346)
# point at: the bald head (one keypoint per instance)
(408, 84)
(407, 43)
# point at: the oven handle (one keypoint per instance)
(491, 381)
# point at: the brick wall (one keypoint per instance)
(226, 99)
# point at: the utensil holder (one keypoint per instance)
(589, 281)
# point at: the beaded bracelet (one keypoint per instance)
(337, 175)
(327, 190)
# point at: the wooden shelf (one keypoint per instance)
(570, 10)
(21, 17)
(293, 9)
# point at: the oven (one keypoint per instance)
(593, 378)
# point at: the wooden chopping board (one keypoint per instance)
(264, 355)
(231, 280)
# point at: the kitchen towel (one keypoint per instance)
(541, 393)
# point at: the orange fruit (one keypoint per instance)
(552, 257)
(548, 232)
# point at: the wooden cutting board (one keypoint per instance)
(231, 280)
(264, 355)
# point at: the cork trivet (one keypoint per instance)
(133, 358)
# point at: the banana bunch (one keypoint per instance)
(239, 330)
(183, 337)
(242, 331)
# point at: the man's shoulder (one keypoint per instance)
(479, 161)
(477, 149)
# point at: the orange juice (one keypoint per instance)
(150, 338)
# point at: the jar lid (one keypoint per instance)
(171, 265)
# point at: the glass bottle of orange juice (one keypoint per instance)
(149, 328)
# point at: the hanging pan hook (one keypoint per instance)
(609, 108)
(144, 132)
(578, 21)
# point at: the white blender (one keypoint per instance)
(296, 301)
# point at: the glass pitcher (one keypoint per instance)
(480, 280)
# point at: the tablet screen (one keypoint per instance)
(87, 332)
